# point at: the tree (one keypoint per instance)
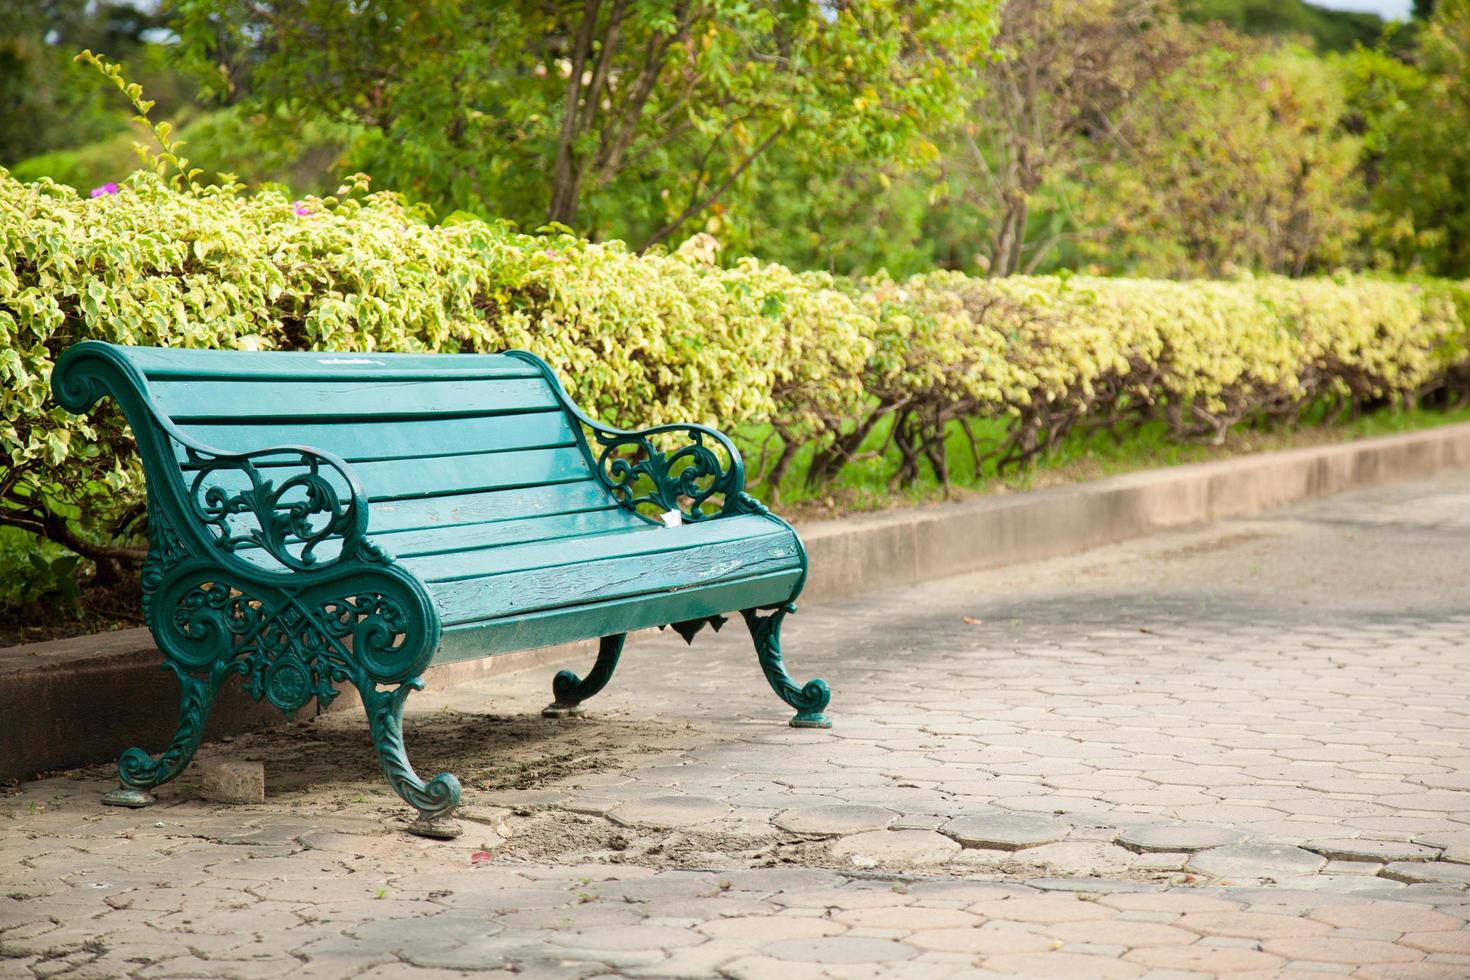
(1237, 160)
(1064, 70)
(619, 118)
(1414, 118)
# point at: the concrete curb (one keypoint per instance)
(79, 701)
(895, 548)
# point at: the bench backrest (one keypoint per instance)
(437, 441)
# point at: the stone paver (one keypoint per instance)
(1427, 871)
(1381, 851)
(895, 848)
(1179, 837)
(1256, 861)
(1237, 750)
(1004, 831)
(835, 819)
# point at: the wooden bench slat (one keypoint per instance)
(175, 362)
(360, 441)
(548, 627)
(227, 399)
(469, 600)
(391, 516)
(632, 542)
(397, 479)
(472, 537)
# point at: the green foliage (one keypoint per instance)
(1415, 117)
(49, 104)
(38, 573)
(656, 337)
(816, 361)
(225, 141)
(621, 119)
(1237, 160)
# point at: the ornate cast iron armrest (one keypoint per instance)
(640, 474)
(683, 479)
(288, 516)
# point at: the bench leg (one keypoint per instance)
(570, 690)
(434, 800)
(809, 701)
(138, 771)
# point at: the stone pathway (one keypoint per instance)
(1238, 750)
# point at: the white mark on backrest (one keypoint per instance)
(349, 360)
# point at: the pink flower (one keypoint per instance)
(105, 189)
(301, 209)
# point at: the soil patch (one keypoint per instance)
(102, 609)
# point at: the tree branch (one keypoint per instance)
(730, 178)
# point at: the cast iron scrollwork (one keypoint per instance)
(652, 481)
(810, 700)
(318, 501)
(360, 626)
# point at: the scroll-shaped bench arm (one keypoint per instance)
(290, 517)
(682, 479)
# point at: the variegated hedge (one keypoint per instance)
(657, 337)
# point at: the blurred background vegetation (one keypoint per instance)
(1144, 137)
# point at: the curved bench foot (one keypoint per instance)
(435, 799)
(138, 771)
(809, 700)
(570, 690)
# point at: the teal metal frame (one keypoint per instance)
(338, 609)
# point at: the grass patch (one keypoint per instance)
(864, 485)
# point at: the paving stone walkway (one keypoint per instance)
(1238, 750)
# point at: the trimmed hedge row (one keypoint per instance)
(659, 337)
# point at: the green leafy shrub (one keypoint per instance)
(819, 362)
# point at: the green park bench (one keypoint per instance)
(316, 519)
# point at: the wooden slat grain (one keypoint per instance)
(468, 600)
(392, 516)
(644, 540)
(499, 534)
(310, 401)
(359, 441)
(545, 628)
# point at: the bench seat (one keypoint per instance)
(321, 518)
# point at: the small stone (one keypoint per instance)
(1178, 837)
(902, 848)
(1004, 831)
(1414, 872)
(1371, 850)
(1272, 861)
(233, 782)
(834, 820)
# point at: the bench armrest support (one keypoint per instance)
(312, 500)
(640, 472)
